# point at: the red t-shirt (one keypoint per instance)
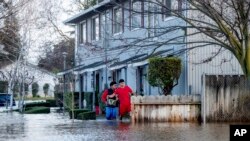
(124, 94)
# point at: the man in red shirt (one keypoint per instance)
(123, 93)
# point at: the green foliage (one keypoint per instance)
(3, 87)
(37, 110)
(35, 89)
(52, 102)
(89, 3)
(76, 112)
(9, 34)
(87, 116)
(164, 73)
(36, 104)
(53, 60)
(46, 89)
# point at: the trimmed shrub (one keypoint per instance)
(87, 116)
(46, 89)
(36, 104)
(164, 73)
(35, 89)
(37, 110)
(76, 112)
(52, 102)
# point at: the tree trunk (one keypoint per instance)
(247, 63)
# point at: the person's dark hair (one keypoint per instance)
(112, 83)
(121, 80)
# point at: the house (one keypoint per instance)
(33, 74)
(114, 40)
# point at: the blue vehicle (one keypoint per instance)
(5, 100)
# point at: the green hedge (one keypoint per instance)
(76, 112)
(37, 104)
(87, 116)
(52, 102)
(37, 110)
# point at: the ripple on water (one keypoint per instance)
(56, 126)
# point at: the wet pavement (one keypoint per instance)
(58, 127)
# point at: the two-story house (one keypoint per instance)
(114, 40)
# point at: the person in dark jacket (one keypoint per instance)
(111, 101)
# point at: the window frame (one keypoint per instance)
(95, 36)
(166, 14)
(115, 23)
(138, 15)
(81, 35)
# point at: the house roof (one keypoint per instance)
(88, 12)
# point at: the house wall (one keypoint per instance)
(89, 55)
(224, 63)
(40, 76)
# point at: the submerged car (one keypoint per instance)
(5, 100)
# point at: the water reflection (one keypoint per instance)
(56, 126)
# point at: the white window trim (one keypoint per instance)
(169, 18)
(113, 21)
(95, 40)
(164, 16)
(135, 28)
(80, 33)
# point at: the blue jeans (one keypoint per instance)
(111, 113)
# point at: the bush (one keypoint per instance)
(164, 73)
(87, 116)
(76, 112)
(46, 89)
(35, 89)
(37, 110)
(52, 102)
(37, 104)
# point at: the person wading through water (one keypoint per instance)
(124, 92)
(111, 101)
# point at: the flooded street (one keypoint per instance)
(58, 127)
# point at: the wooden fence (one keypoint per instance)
(225, 98)
(166, 108)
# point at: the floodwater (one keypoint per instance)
(58, 127)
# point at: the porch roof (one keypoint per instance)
(145, 58)
(128, 60)
(90, 66)
(69, 70)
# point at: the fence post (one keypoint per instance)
(204, 97)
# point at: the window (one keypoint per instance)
(136, 14)
(105, 26)
(117, 19)
(167, 8)
(156, 19)
(95, 28)
(83, 33)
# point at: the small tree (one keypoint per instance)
(35, 89)
(164, 73)
(46, 89)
